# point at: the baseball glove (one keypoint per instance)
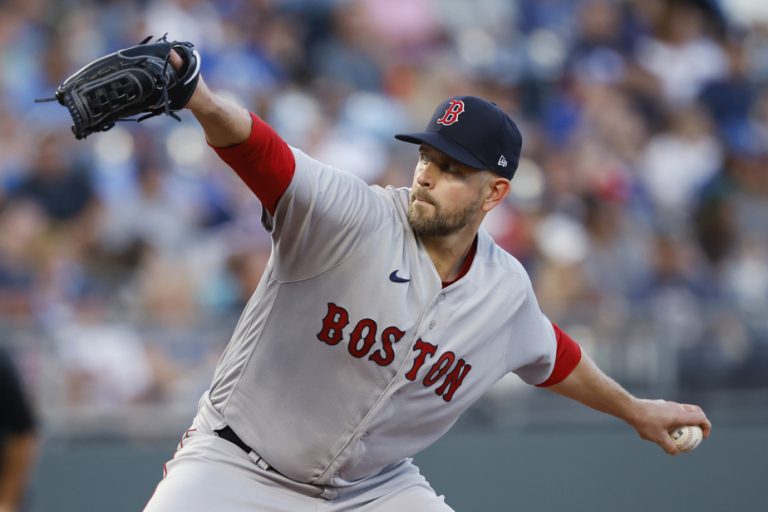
(130, 82)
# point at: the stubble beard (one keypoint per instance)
(439, 222)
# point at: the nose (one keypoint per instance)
(425, 175)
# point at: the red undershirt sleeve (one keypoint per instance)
(568, 356)
(264, 162)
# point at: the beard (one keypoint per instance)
(440, 222)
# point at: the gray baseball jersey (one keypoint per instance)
(351, 355)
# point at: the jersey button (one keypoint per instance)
(441, 299)
(432, 324)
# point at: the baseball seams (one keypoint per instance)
(687, 438)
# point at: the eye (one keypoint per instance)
(453, 170)
(423, 157)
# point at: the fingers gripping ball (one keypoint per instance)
(135, 81)
(687, 438)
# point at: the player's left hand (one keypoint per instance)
(201, 96)
(654, 419)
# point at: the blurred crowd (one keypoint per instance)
(640, 208)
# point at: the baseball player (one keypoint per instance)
(382, 315)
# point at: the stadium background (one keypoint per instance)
(640, 210)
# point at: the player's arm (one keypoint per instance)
(246, 143)
(225, 123)
(653, 419)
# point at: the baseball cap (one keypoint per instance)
(474, 132)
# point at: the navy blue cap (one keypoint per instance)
(474, 132)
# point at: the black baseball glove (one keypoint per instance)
(130, 82)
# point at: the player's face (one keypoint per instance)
(445, 196)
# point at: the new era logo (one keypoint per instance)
(502, 161)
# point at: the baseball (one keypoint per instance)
(687, 438)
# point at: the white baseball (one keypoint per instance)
(687, 438)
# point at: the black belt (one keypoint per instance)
(229, 434)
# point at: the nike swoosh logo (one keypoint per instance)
(397, 279)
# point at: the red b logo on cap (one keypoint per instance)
(452, 113)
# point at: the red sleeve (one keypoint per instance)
(568, 356)
(264, 162)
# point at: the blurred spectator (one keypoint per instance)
(618, 261)
(350, 56)
(681, 53)
(155, 215)
(559, 279)
(730, 98)
(106, 363)
(18, 437)
(674, 297)
(22, 229)
(678, 162)
(55, 182)
(404, 25)
(746, 270)
(601, 49)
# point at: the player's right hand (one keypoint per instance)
(654, 419)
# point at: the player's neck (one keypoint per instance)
(449, 252)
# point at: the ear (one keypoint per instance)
(497, 188)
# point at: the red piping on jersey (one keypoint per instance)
(568, 356)
(165, 464)
(464, 266)
(263, 161)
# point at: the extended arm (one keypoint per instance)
(653, 419)
(246, 143)
(225, 123)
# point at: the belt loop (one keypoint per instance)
(228, 434)
(258, 460)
